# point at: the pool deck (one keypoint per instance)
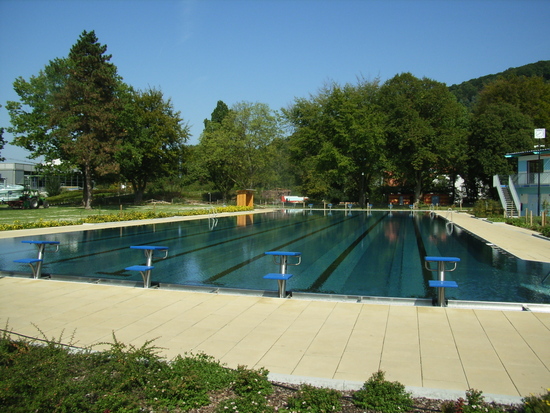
(435, 352)
(521, 242)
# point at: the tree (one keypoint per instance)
(281, 169)
(254, 127)
(217, 117)
(425, 131)
(30, 117)
(153, 144)
(337, 140)
(211, 155)
(69, 112)
(468, 92)
(85, 112)
(236, 150)
(503, 120)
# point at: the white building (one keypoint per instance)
(14, 173)
(529, 189)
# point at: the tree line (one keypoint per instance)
(351, 142)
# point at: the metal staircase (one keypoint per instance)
(508, 196)
(511, 210)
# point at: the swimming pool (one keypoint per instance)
(356, 253)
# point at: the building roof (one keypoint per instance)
(526, 153)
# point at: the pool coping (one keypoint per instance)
(343, 298)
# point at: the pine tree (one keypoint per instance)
(85, 110)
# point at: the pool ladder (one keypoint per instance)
(449, 225)
(212, 219)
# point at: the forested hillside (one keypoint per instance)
(466, 92)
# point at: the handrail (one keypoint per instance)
(498, 186)
(530, 178)
(514, 193)
(212, 219)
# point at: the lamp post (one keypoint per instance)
(362, 194)
(362, 190)
(539, 134)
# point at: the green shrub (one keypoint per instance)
(537, 404)
(203, 368)
(487, 207)
(523, 222)
(122, 378)
(244, 405)
(474, 403)
(312, 399)
(380, 395)
(252, 388)
(53, 185)
(249, 382)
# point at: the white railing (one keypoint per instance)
(510, 189)
(498, 186)
(514, 193)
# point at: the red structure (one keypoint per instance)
(428, 199)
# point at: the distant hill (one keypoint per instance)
(466, 92)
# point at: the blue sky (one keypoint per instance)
(271, 51)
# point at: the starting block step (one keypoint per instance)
(28, 260)
(139, 268)
(442, 284)
(275, 276)
(444, 259)
(285, 253)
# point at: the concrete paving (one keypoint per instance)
(438, 352)
(521, 242)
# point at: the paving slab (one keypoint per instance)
(520, 242)
(498, 352)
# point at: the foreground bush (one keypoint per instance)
(474, 402)
(53, 377)
(251, 388)
(381, 395)
(537, 404)
(314, 400)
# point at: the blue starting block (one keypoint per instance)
(281, 259)
(145, 270)
(36, 263)
(441, 283)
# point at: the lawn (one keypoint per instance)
(71, 213)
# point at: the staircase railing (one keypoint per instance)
(508, 196)
(514, 193)
(498, 186)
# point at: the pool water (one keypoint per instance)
(351, 253)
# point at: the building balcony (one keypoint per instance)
(525, 179)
